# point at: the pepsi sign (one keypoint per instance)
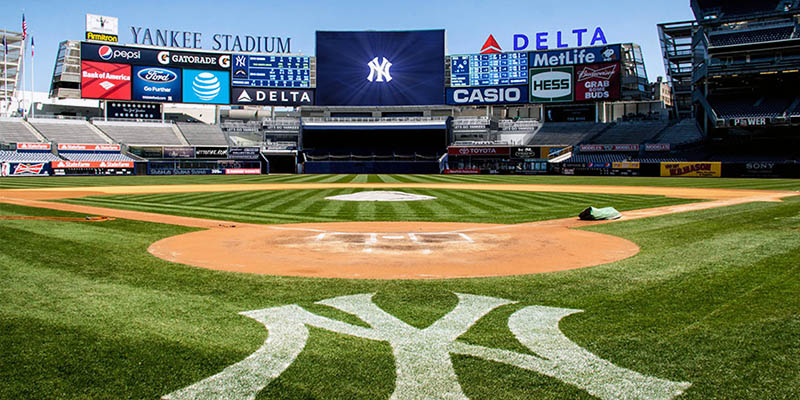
(487, 95)
(149, 56)
(157, 84)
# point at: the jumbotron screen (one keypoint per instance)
(271, 71)
(499, 69)
(380, 68)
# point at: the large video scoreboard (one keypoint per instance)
(271, 71)
(500, 69)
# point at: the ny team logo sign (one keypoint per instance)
(423, 366)
(379, 72)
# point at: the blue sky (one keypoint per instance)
(468, 23)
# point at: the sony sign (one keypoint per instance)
(487, 95)
(221, 41)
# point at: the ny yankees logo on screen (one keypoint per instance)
(379, 72)
(423, 366)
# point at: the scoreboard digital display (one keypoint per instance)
(268, 71)
(499, 69)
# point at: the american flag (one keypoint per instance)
(31, 46)
(24, 28)
(5, 45)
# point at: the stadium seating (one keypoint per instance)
(27, 157)
(199, 134)
(744, 106)
(629, 132)
(566, 133)
(684, 132)
(89, 156)
(15, 131)
(597, 158)
(148, 134)
(67, 131)
(753, 36)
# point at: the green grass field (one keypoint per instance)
(85, 312)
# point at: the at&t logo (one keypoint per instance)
(379, 72)
(206, 86)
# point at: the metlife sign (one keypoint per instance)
(487, 95)
(152, 57)
(272, 97)
(577, 56)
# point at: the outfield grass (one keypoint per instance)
(86, 312)
(295, 206)
(772, 184)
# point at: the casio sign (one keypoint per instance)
(487, 95)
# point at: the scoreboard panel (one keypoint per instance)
(271, 71)
(499, 69)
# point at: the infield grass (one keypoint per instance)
(87, 313)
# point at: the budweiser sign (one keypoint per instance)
(601, 73)
(29, 169)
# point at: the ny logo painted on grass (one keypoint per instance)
(422, 356)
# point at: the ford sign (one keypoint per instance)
(157, 75)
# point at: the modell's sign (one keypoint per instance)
(33, 146)
(477, 151)
(594, 148)
(695, 169)
(92, 164)
(88, 147)
(597, 82)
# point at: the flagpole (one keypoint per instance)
(33, 90)
(5, 70)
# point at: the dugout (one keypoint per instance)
(374, 145)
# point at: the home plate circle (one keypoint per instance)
(394, 250)
(380, 195)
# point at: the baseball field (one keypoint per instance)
(261, 288)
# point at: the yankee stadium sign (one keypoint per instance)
(219, 41)
(422, 356)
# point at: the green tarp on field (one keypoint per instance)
(599, 214)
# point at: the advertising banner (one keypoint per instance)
(551, 85)
(27, 169)
(206, 87)
(487, 95)
(146, 111)
(243, 153)
(594, 148)
(595, 82)
(463, 171)
(272, 97)
(102, 28)
(179, 152)
(214, 153)
(477, 151)
(105, 81)
(33, 146)
(694, 169)
(576, 56)
(657, 147)
(571, 113)
(380, 68)
(625, 165)
(242, 171)
(91, 164)
(88, 147)
(147, 152)
(149, 56)
(157, 84)
(526, 152)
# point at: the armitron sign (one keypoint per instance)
(694, 169)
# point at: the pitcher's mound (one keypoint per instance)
(394, 250)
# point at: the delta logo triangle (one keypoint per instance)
(244, 97)
(491, 46)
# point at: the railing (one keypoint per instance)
(374, 119)
(59, 117)
(147, 121)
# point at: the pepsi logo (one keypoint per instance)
(105, 52)
(157, 75)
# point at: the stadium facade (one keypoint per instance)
(369, 102)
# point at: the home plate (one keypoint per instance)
(380, 195)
